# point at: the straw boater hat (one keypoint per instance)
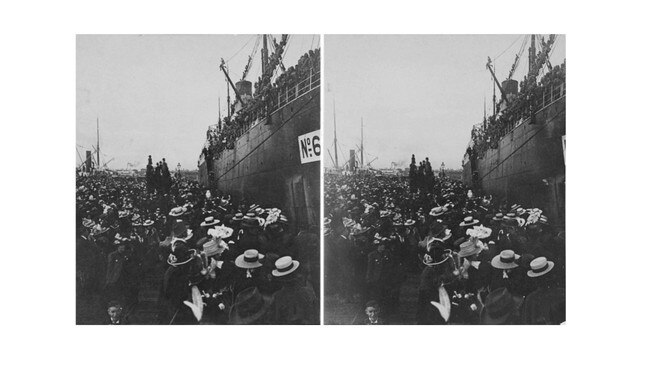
(122, 214)
(285, 266)
(148, 222)
(99, 230)
(437, 211)
(249, 307)
(409, 222)
(469, 248)
(88, 223)
(514, 207)
(250, 259)
(539, 267)
(347, 222)
(176, 211)
(498, 216)
(469, 221)
(505, 260)
(238, 217)
(210, 221)
(520, 211)
(500, 305)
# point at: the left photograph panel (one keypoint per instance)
(198, 179)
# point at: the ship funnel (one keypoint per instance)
(244, 87)
(510, 88)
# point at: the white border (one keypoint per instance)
(606, 190)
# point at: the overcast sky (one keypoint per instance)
(417, 94)
(157, 94)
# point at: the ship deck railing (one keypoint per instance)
(549, 95)
(285, 96)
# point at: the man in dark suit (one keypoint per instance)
(377, 272)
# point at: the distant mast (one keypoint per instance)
(362, 142)
(219, 101)
(336, 148)
(97, 143)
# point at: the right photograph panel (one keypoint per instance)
(444, 190)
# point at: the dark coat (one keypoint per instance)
(294, 304)
(546, 305)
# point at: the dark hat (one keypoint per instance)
(249, 307)
(180, 254)
(181, 231)
(499, 307)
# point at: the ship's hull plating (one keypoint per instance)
(265, 167)
(528, 165)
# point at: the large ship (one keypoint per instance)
(518, 153)
(267, 150)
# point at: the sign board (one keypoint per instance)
(309, 145)
(564, 148)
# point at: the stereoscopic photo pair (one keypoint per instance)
(217, 183)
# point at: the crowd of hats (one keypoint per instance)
(187, 240)
(469, 243)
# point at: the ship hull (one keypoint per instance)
(265, 165)
(528, 165)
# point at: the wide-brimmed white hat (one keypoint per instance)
(505, 260)
(210, 221)
(437, 211)
(285, 266)
(250, 259)
(469, 221)
(176, 211)
(221, 232)
(480, 232)
(539, 267)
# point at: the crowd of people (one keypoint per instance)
(158, 179)
(210, 260)
(526, 102)
(265, 99)
(480, 260)
(421, 176)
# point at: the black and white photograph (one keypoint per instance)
(198, 179)
(444, 183)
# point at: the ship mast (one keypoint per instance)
(219, 101)
(532, 54)
(362, 142)
(228, 97)
(97, 143)
(265, 55)
(336, 148)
